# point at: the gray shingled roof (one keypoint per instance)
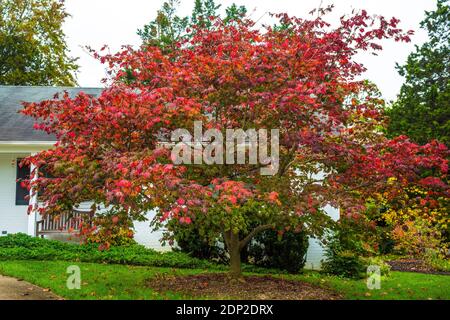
(17, 127)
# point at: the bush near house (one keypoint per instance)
(345, 264)
(352, 247)
(24, 247)
(349, 265)
(190, 240)
(285, 251)
(269, 249)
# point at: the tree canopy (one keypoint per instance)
(33, 50)
(422, 110)
(300, 79)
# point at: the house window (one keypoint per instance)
(21, 192)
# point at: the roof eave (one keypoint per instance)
(46, 143)
(25, 147)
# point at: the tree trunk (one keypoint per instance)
(235, 246)
(235, 255)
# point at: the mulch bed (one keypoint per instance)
(414, 265)
(219, 286)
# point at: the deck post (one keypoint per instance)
(32, 216)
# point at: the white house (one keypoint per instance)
(18, 139)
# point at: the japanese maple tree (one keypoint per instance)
(299, 77)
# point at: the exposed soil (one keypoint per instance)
(414, 265)
(219, 286)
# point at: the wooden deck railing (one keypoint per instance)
(63, 223)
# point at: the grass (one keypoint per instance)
(98, 281)
(108, 281)
(397, 286)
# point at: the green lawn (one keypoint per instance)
(397, 286)
(107, 281)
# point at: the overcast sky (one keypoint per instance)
(115, 22)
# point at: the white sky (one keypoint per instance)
(115, 22)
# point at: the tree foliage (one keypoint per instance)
(301, 80)
(33, 50)
(422, 110)
(168, 27)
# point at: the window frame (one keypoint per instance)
(19, 189)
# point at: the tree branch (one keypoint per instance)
(253, 233)
(226, 238)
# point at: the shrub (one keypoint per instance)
(344, 264)
(437, 261)
(111, 230)
(267, 249)
(343, 260)
(23, 247)
(385, 269)
(417, 237)
(349, 265)
(190, 241)
(286, 252)
(118, 236)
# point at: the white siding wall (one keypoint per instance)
(143, 233)
(316, 250)
(145, 236)
(13, 218)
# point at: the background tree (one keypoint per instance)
(33, 50)
(203, 11)
(168, 27)
(422, 110)
(300, 80)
